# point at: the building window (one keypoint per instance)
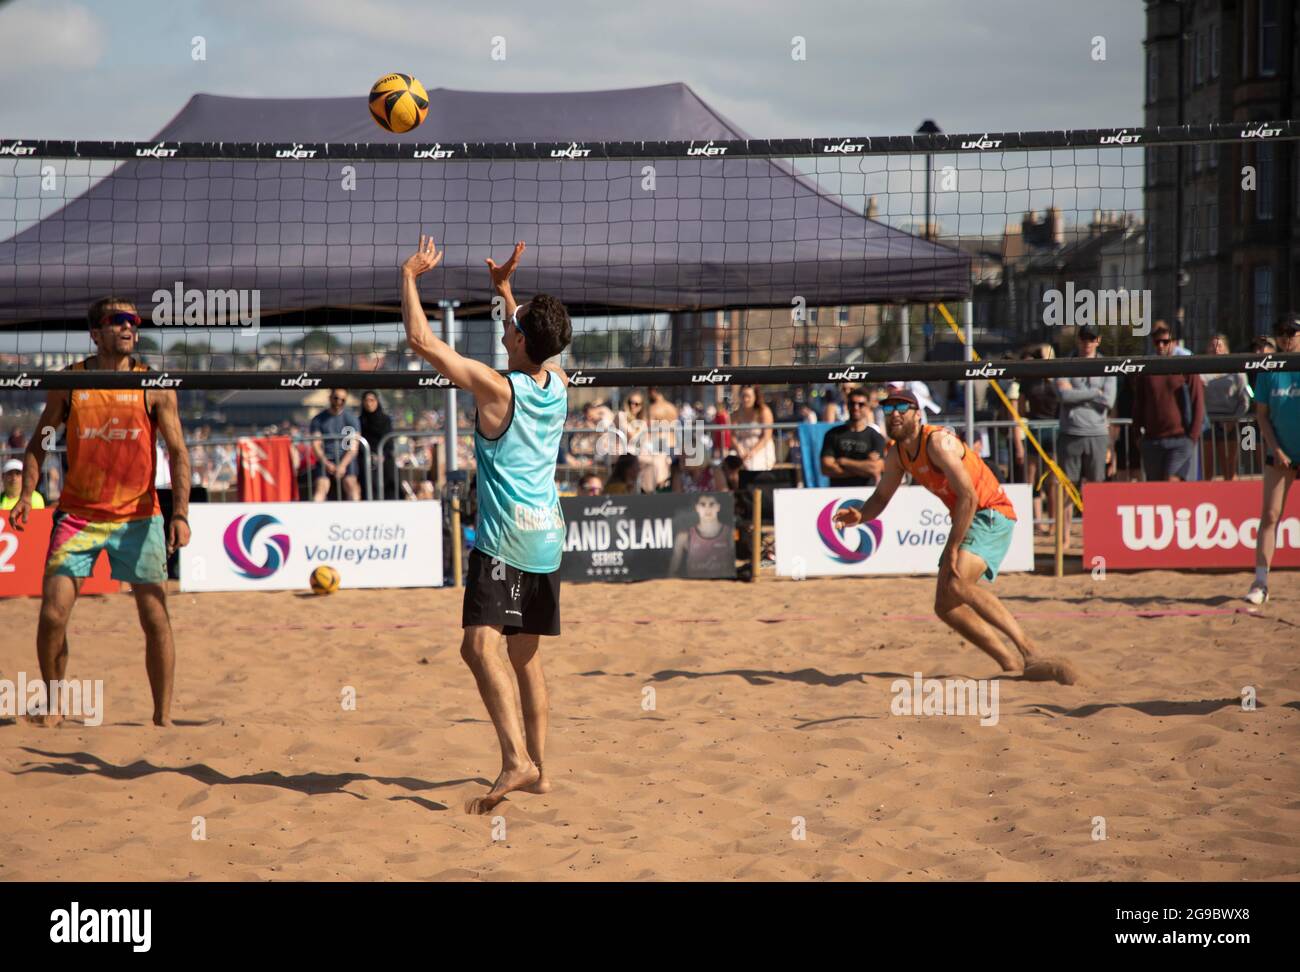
(1263, 299)
(1212, 226)
(1268, 38)
(1192, 250)
(1245, 38)
(1201, 40)
(1265, 171)
(1153, 74)
(1215, 41)
(842, 318)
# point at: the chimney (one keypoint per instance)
(1055, 227)
(873, 210)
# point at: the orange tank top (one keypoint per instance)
(112, 454)
(989, 494)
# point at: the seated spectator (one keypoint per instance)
(695, 474)
(591, 485)
(623, 479)
(731, 467)
(13, 487)
(582, 444)
(853, 454)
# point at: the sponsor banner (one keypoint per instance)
(907, 539)
(627, 538)
(22, 559)
(1182, 525)
(276, 546)
(628, 377)
(1230, 131)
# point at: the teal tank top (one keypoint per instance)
(519, 518)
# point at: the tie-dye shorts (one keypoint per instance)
(137, 549)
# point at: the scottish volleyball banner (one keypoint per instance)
(907, 539)
(276, 546)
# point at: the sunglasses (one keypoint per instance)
(635, 404)
(514, 318)
(1162, 341)
(591, 489)
(120, 319)
(901, 407)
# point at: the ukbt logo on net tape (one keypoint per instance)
(242, 539)
(851, 546)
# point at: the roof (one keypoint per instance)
(713, 232)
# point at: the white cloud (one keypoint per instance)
(48, 35)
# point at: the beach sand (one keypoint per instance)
(770, 721)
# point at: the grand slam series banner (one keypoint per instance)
(627, 538)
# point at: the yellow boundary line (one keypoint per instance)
(1052, 467)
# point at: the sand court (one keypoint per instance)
(699, 731)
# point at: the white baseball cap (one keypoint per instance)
(13, 465)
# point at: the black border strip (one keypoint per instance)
(625, 377)
(701, 149)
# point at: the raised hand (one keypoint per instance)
(425, 258)
(847, 517)
(501, 272)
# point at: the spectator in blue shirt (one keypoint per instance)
(335, 434)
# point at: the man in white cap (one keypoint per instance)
(13, 480)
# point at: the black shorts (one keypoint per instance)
(516, 601)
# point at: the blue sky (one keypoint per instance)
(104, 69)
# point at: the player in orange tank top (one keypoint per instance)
(983, 521)
(109, 504)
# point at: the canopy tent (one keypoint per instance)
(320, 243)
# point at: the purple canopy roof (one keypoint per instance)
(712, 233)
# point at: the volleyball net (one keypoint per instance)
(268, 266)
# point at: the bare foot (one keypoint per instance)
(507, 782)
(163, 721)
(50, 721)
(1050, 670)
(543, 784)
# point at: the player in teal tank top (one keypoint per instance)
(513, 585)
(1277, 413)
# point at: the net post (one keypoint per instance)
(756, 547)
(1058, 540)
(968, 313)
(455, 542)
(449, 335)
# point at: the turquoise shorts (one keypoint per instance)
(137, 549)
(989, 538)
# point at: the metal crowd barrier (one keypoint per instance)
(53, 457)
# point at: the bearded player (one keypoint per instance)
(513, 586)
(108, 501)
(983, 522)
